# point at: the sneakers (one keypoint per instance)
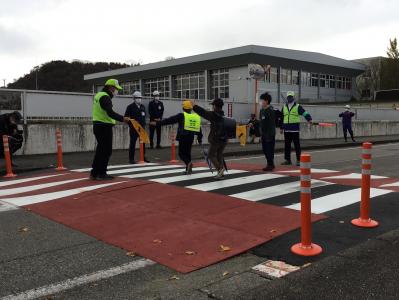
(146, 160)
(268, 168)
(132, 162)
(101, 177)
(298, 164)
(219, 175)
(159, 147)
(286, 163)
(190, 168)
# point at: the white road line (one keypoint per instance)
(353, 176)
(338, 200)
(276, 190)
(29, 188)
(81, 280)
(26, 200)
(193, 176)
(138, 169)
(17, 181)
(7, 207)
(390, 184)
(116, 167)
(157, 173)
(233, 182)
(316, 171)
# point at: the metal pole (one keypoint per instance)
(4, 85)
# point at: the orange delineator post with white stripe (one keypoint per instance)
(306, 247)
(364, 220)
(173, 149)
(141, 161)
(7, 157)
(60, 166)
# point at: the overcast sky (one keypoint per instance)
(36, 31)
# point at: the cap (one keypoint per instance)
(137, 94)
(155, 93)
(217, 102)
(114, 83)
(187, 104)
(347, 106)
(291, 94)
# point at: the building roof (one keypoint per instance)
(244, 55)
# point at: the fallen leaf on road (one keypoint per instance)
(190, 252)
(306, 265)
(157, 241)
(174, 277)
(342, 222)
(23, 229)
(130, 253)
(224, 248)
(273, 230)
(225, 273)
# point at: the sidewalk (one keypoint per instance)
(29, 163)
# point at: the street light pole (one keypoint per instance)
(4, 83)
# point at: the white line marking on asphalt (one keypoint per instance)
(81, 280)
(353, 176)
(157, 173)
(116, 167)
(276, 190)
(233, 182)
(26, 200)
(193, 176)
(134, 170)
(30, 188)
(316, 171)
(390, 184)
(17, 181)
(7, 207)
(338, 200)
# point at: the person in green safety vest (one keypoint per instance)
(189, 125)
(104, 118)
(290, 127)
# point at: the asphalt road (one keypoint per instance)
(41, 258)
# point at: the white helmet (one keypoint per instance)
(347, 106)
(155, 93)
(137, 94)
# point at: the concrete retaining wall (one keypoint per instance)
(40, 138)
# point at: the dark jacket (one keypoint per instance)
(106, 104)
(216, 119)
(155, 110)
(347, 118)
(294, 127)
(268, 123)
(181, 133)
(254, 129)
(136, 112)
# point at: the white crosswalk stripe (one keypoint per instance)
(158, 173)
(138, 169)
(193, 176)
(23, 180)
(209, 186)
(353, 176)
(116, 167)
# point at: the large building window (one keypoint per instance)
(330, 82)
(295, 77)
(273, 75)
(340, 82)
(306, 79)
(190, 86)
(285, 76)
(323, 80)
(128, 88)
(157, 84)
(348, 83)
(315, 79)
(219, 83)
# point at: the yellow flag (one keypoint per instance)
(241, 133)
(140, 131)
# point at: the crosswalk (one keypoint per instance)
(272, 188)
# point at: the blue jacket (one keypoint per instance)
(347, 118)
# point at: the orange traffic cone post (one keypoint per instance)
(364, 220)
(60, 166)
(7, 157)
(141, 161)
(173, 150)
(306, 247)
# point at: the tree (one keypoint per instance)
(169, 58)
(393, 51)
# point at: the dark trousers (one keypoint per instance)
(268, 149)
(132, 145)
(290, 137)
(185, 144)
(152, 131)
(215, 154)
(346, 129)
(103, 134)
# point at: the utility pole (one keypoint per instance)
(4, 83)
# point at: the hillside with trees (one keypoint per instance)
(61, 75)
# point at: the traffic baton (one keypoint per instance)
(141, 161)
(173, 149)
(364, 220)
(306, 247)
(60, 166)
(7, 157)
